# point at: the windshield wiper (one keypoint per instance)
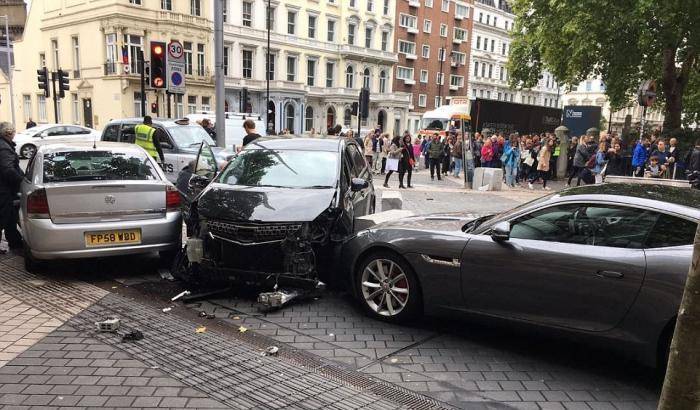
(318, 187)
(472, 225)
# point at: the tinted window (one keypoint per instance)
(597, 225)
(358, 160)
(111, 133)
(286, 169)
(128, 134)
(76, 130)
(97, 165)
(56, 131)
(671, 231)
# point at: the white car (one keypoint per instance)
(29, 140)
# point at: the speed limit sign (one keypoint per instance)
(175, 49)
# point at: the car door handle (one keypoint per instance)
(609, 274)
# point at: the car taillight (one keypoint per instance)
(37, 204)
(172, 198)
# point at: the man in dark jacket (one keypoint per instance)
(10, 177)
(435, 152)
(694, 161)
(581, 157)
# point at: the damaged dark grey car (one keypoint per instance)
(277, 214)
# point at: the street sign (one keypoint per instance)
(176, 68)
(176, 78)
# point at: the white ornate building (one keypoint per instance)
(488, 75)
(322, 53)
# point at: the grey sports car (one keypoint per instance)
(609, 261)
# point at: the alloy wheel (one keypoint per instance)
(28, 151)
(385, 287)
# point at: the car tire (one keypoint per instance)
(31, 264)
(387, 288)
(27, 151)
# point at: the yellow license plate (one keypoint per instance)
(107, 238)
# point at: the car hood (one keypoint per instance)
(263, 204)
(444, 222)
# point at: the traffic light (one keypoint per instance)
(245, 100)
(354, 108)
(364, 103)
(43, 79)
(158, 79)
(63, 83)
(147, 72)
(154, 108)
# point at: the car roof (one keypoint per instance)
(674, 199)
(87, 146)
(44, 126)
(164, 122)
(287, 142)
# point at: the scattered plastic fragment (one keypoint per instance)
(109, 325)
(132, 336)
(271, 351)
(393, 360)
(179, 295)
(167, 309)
(200, 329)
(242, 329)
(114, 287)
(202, 314)
(165, 274)
(236, 318)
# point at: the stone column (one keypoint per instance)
(562, 134)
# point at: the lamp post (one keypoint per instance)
(8, 43)
(267, 74)
(219, 73)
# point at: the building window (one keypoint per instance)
(459, 58)
(385, 40)
(461, 10)
(493, 45)
(382, 81)
(483, 70)
(330, 68)
(429, 3)
(476, 68)
(440, 79)
(331, 31)
(206, 106)
(137, 2)
(407, 47)
(76, 108)
(188, 57)
(408, 21)
(499, 96)
(271, 67)
(488, 19)
(311, 72)
(426, 51)
(42, 59)
(291, 68)
(312, 26)
(495, 21)
(370, 5)
(503, 49)
(247, 64)
(200, 60)
(224, 11)
(488, 94)
(367, 79)
(427, 26)
(291, 22)
(54, 53)
(490, 70)
(191, 104)
(166, 5)
(137, 104)
(404, 73)
(481, 17)
(42, 108)
(76, 56)
(290, 116)
(353, 4)
(443, 30)
(351, 34)
(478, 42)
(59, 112)
(368, 37)
(271, 23)
(27, 107)
(422, 100)
(349, 77)
(385, 10)
(347, 117)
(226, 60)
(441, 54)
(501, 72)
(247, 13)
(179, 106)
(424, 76)
(460, 34)
(196, 7)
(456, 80)
(133, 46)
(438, 101)
(589, 86)
(309, 119)
(445, 6)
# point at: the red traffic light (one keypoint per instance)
(158, 50)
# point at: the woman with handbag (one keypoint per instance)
(407, 161)
(393, 159)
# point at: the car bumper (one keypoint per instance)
(47, 240)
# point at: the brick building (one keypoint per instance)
(433, 44)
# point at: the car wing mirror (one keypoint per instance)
(358, 184)
(501, 231)
(166, 145)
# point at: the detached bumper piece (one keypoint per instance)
(279, 298)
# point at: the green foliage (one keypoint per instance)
(622, 41)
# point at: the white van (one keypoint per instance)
(233, 126)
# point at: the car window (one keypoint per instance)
(98, 165)
(111, 133)
(358, 160)
(597, 225)
(76, 131)
(206, 163)
(55, 131)
(671, 231)
(128, 134)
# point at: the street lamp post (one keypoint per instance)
(267, 74)
(219, 73)
(9, 68)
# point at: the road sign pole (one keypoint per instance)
(143, 83)
(167, 93)
(55, 100)
(219, 72)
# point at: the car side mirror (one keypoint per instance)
(166, 145)
(501, 231)
(199, 180)
(358, 184)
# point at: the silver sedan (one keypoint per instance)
(85, 200)
(607, 261)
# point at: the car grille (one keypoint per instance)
(252, 233)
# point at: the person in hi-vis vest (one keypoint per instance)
(146, 138)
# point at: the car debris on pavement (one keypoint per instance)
(132, 336)
(270, 351)
(200, 329)
(179, 295)
(109, 325)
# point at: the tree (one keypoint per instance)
(623, 41)
(682, 386)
